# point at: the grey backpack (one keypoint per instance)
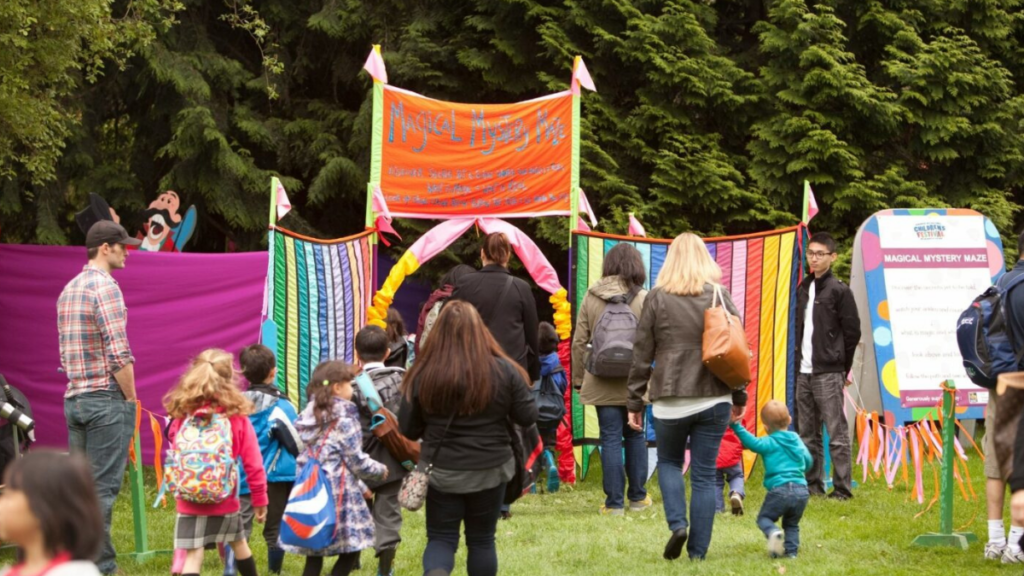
(611, 352)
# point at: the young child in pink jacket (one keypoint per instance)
(204, 396)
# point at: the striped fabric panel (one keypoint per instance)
(761, 271)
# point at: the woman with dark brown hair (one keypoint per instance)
(459, 397)
(505, 303)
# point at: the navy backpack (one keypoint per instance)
(984, 337)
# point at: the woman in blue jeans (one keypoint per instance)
(604, 386)
(459, 397)
(689, 403)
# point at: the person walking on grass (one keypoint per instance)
(99, 403)
(827, 334)
(273, 420)
(372, 351)
(329, 426)
(210, 411)
(1002, 546)
(459, 398)
(786, 460)
(691, 406)
(623, 449)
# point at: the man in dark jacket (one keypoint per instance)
(505, 303)
(827, 334)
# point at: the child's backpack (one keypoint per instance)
(550, 402)
(984, 337)
(611, 352)
(201, 467)
(310, 517)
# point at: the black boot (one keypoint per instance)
(275, 560)
(384, 562)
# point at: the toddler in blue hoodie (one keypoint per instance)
(786, 460)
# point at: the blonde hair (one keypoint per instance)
(210, 380)
(775, 416)
(688, 267)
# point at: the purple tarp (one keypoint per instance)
(178, 305)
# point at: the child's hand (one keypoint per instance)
(384, 476)
(368, 495)
(261, 514)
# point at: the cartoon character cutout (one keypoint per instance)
(165, 229)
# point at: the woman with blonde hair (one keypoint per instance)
(691, 405)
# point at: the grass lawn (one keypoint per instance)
(561, 534)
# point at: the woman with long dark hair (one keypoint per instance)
(459, 397)
(622, 280)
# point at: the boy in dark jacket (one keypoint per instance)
(272, 418)
(551, 368)
(372, 348)
(827, 334)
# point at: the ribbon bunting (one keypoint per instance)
(158, 442)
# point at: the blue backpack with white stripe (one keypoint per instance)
(984, 336)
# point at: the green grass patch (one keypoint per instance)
(562, 534)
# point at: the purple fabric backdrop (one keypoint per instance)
(178, 305)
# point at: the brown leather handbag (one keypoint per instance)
(725, 350)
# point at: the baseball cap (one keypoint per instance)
(108, 232)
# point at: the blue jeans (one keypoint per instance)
(616, 433)
(787, 502)
(704, 432)
(446, 512)
(100, 426)
(734, 476)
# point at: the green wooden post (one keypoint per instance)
(136, 480)
(945, 536)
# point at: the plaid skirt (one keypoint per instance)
(193, 532)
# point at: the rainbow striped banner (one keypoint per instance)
(317, 297)
(761, 271)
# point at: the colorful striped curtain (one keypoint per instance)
(317, 297)
(761, 271)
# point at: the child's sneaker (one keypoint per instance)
(553, 481)
(737, 503)
(776, 545)
(994, 551)
(640, 505)
(1013, 557)
(606, 511)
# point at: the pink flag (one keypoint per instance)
(581, 77)
(810, 203)
(283, 204)
(380, 205)
(581, 225)
(375, 65)
(384, 225)
(635, 228)
(586, 209)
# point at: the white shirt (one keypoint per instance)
(676, 407)
(805, 347)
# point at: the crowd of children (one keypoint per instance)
(215, 424)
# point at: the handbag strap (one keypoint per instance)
(504, 292)
(440, 440)
(720, 300)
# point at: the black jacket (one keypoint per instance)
(836, 324)
(513, 322)
(476, 441)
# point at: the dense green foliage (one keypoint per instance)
(708, 117)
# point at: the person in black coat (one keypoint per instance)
(505, 303)
(459, 397)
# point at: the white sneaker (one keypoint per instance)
(994, 551)
(1010, 557)
(776, 545)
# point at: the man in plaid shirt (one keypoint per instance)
(99, 403)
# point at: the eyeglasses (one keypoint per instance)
(816, 255)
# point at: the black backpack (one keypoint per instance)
(550, 403)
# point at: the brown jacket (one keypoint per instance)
(598, 391)
(670, 336)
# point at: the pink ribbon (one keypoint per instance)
(915, 450)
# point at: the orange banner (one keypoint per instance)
(443, 159)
